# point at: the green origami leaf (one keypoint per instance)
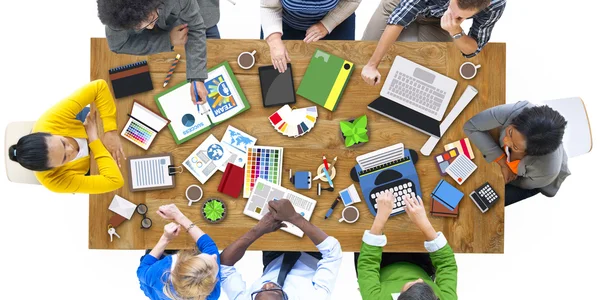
(214, 210)
(361, 122)
(360, 130)
(346, 128)
(350, 141)
(363, 137)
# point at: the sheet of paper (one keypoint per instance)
(236, 142)
(223, 99)
(184, 115)
(206, 159)
(150, 172)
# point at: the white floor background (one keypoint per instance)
(550, 244)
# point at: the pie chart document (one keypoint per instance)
(185, 118)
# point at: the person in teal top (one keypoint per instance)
(411, 275)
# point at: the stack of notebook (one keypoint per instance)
(445, 200)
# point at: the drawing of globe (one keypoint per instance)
(215, 152)
(188, 120)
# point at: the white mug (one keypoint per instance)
(468, 63)
(193, 200)
(253, 60)
(350, 221)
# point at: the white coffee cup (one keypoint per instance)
(467, 68)
(344, 212)
(243, 60)
(194, 190)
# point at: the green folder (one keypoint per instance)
(225, 101)
(325, 79)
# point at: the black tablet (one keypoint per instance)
(277, 88)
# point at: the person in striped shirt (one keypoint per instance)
(308, 20)
(430, 21)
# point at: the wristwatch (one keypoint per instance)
(459, 35)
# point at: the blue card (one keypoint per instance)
(447, 195)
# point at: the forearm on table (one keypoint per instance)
(378, 225)
(234, 252)
(428, 230)
(316, 235)
(389, 36)
(466, 44)
(195, 232)
(160, 247)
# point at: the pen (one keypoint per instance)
(196, 94)
(330, 211)
(325, 163)
(323, 174)
(328, 177)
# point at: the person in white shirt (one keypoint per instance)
(286, 275)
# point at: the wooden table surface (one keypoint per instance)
(471, 232)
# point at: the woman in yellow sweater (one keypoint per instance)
(57, 149)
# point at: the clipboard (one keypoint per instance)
(151, 172)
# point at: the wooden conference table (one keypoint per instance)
(471, 232)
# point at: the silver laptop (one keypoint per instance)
(418, 88)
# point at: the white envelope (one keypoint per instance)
(122, 207)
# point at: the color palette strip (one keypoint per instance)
(138, 133)
(443, 160)
(294, 122)
(263, 162)
(463, 146)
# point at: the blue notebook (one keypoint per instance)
(447, 195)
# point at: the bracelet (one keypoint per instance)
(190, 227)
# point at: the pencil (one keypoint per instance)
(323, 174)
(171, 70)
(325, 162)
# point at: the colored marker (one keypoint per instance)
(325, 162)
(328, 177)
(171, 70)
(330, 211)
(323, 174)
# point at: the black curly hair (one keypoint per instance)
(125, 14)
(542, 127)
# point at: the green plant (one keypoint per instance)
(214, 210)
(356, 131)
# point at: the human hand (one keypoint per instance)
(451, 24)
(508, 174)
(283, 210)
(279, 54)
(416, 211)
(315, 32)
(170, 212)
(90, 125)
(385, 203)
(370, 74)
(268, 224)
(171, 231)
(112, 142)
(179, 35)
(202, 92)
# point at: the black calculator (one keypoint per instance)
(484, 197)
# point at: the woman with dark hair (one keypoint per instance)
(529, 150)
(58, 149)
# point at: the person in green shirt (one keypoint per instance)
(405, 276)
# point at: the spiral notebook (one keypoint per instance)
(130, 79)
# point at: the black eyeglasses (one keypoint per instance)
(142, 209)
(152, 22)
(277, 290)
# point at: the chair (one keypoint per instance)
(578, 135)
(14, 171)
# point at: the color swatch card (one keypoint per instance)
(461, 168)
(463, 146)
(206, 159)
(262, 162)
(294, 122)
(325, 79)
(143, 125)
(443, 160)
(236, 142)
(225, 100)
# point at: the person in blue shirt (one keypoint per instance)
(189, 274)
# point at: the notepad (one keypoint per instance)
(143, 125)
(130, 79)
(447, 195)
(461, 168)
(150, 172)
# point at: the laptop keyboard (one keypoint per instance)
(399, 188)
(412, 91)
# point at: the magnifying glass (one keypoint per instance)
(142, 209)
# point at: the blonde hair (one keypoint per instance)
(193, 277)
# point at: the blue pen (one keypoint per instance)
(196, 94)
(328, 177)
(330, 211)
